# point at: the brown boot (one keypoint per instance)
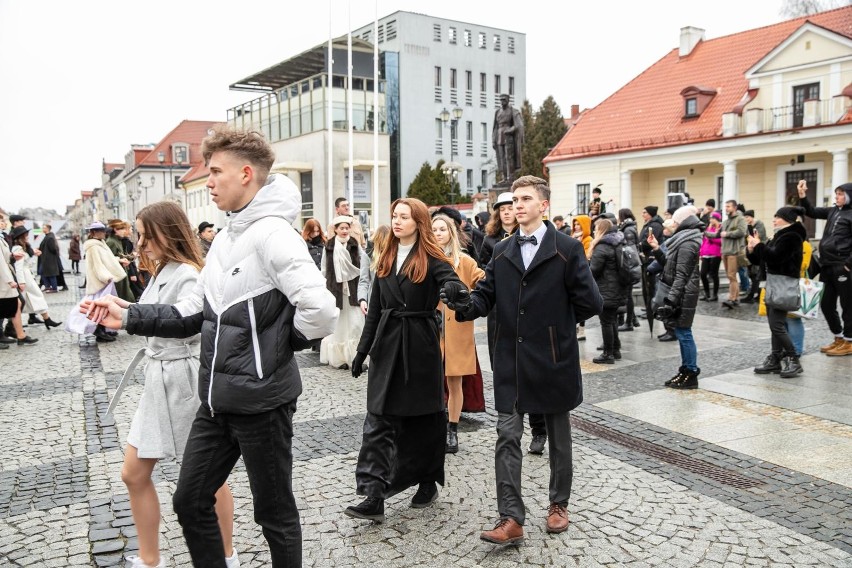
(838, 341)
(557, 518)
(844, 348)
(506, 531)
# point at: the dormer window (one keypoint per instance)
(696, 99)
(180, 153)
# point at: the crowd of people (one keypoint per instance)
(224, 312)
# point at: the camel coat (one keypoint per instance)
(457, 342)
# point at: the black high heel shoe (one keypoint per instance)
(48, 323)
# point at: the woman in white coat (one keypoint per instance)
(35, 301)
(10, 303)
(160, 427)
(102, 267)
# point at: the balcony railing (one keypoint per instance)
(758, 120)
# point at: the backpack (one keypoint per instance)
(629, 265)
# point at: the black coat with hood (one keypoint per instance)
(631, 234)
(655, 225)
(604, 267)
(835, 248)
(681, 270)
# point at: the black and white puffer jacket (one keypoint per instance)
(259, 297)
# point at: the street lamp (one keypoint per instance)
(140, 186)
(452, 169)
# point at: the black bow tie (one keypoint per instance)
(531, 239)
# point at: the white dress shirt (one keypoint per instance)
(528, 250)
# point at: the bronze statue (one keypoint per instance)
(507, 137)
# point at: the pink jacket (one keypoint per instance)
(711, 245)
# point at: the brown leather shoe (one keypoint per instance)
(506, 532)
(838, 341)
(557, 518)
(844, 348)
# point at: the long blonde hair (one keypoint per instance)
(453, 248)
(602, 227)
(380, 239)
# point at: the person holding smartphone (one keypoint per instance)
(835, 256)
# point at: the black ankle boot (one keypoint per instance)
(680, 372)
(48, 323)
(772, 364)
(605, 358)
(371, 509)
(616, 354)
(689, 380)
(452, 438)
(791, 367)
(33, 319)
(425, 496)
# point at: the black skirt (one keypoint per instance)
(9, 307)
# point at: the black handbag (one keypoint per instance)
(782, 292)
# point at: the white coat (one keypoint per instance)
(35, 301)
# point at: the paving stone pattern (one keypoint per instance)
(62, 502)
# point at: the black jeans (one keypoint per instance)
(609, 329)
(214, 445)
(782, 345)
(710, 271)
(833, 289)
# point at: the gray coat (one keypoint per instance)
(734, 241)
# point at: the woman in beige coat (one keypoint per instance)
(457, 344)
(102, 267)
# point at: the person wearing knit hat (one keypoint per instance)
(781, 259)
(682, 213)
(716, 215)
(651, 210)
(835, 256)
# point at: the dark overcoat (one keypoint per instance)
(536, 357)
(49, 259)
(405, 376)
(604, 267)
(681, 270)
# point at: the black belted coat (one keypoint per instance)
(405, 376)
(536, 357)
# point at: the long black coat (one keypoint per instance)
(604, 267)
(401, 335)
(681, 268)
(49, 260)
(782, 254)
(536, 356)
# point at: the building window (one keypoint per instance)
(482, 79)
(511, 47)
(180, 154)
(468, 77)
(390, 28)
(470, 179)
(496, 40)
(452, 35)
(484, 178)
(677, 185)
(511, 86)
(802, 93)
(469, 130)
(436, 32)
(497, 84)
(483, 40)
(453, 79)
(468, 38)
(584, 191)
(691, 107)
(437, 76)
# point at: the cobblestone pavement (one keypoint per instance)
(649, 489)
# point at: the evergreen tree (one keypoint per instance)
(549, 130)
(430, 185)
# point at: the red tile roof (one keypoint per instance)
(648, 111)
(191, 132)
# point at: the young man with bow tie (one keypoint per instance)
(540, 282)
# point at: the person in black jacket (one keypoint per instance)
(653, 225)
(540, 284)
(681, 274)
(404, 436)
(835, 257)
(604, 266)
(782, 255)
(315, 239)
(627, 225)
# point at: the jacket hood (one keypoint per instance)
(627, 223)
(847, 188)
(613, 237)
(279, 197)
(585, 223)
(691, 222)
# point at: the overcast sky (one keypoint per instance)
(82, 81)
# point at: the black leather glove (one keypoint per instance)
(667, 311)
(455, 295)
(358, 364)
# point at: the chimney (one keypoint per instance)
(575, 111)
(689, 38)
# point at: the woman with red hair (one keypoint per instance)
(404, 434)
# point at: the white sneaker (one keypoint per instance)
(136, 562)
(233, 561)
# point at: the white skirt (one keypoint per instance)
(340, 347)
